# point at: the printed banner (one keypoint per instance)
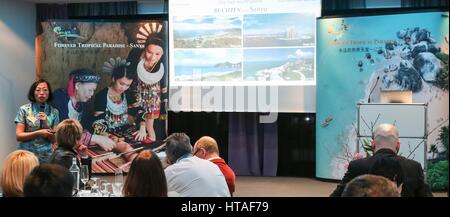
(361, 58)
(112, 77)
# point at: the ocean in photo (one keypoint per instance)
(251, 68)
(204, 70)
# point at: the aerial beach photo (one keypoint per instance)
(279, 64)
(208, 65)
(207, 32)
(278, 30)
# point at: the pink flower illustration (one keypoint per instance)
(358, 156)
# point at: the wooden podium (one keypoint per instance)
(410, 120)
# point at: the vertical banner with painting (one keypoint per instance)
(361, 58)
(112, 77)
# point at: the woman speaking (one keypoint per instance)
(35, 122)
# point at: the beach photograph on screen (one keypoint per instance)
(279, 30)
(207, 32)
(279, 64)
(208, 65)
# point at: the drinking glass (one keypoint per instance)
(94, 188)
(104, 188)
(84, 175)
(118, 183)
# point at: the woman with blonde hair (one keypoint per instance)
(16, 167)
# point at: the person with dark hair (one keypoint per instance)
(146, 177)
(206, 148)
(115, 107)
(189, 175)
(386, 144)
(151, 85)
(114, 104)
(72, 104)
(370, 186)
(48, 180)
(389, 168)
(35, 121)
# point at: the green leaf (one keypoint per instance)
(437, 175)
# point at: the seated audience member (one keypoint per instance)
(16, 167)
(386, 144)
(370, 186)
(68, 139)
(207, 148)
(48, 180)
(389, 168)
(146, 177)
(189, 175)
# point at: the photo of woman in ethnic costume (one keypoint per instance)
(73, 104)
(150, 88)
(115, 107)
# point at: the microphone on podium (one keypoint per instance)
(373, 88)
(41, 122)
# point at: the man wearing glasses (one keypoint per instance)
(206, 148)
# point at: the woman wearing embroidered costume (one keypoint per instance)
(114, 104)
(150, 71)
(72, 103)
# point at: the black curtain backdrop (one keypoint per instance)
(102, 9)
(359, 7)
(297, 144)
(360, 4)
(253, 146)
(198, 124)
(77, 10)
(425, 3)
(343, 4)
(49, 11)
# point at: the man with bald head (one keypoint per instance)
(206, 148)
(386, 144)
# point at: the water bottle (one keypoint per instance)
(75, 171)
